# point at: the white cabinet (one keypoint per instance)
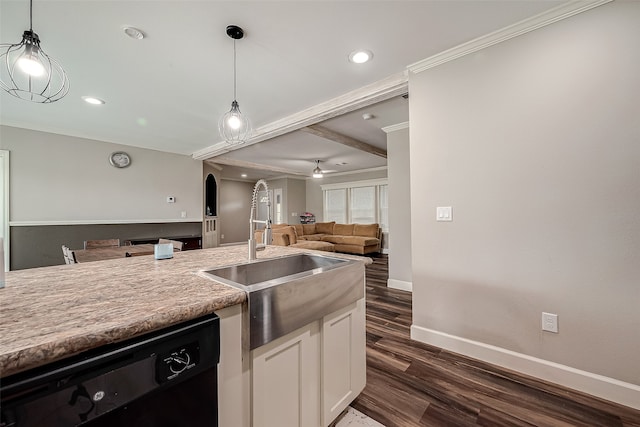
(343, 359)
(308, 377)
(303, 379)
(286, 380)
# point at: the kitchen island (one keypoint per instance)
(48, 314)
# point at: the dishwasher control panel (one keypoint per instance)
(171, 364)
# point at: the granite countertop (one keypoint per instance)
(50, 313)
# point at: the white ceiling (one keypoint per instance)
(166, 92)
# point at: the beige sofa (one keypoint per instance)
(360, 239)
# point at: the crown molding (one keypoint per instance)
(393, 128)
(379, 91)
(543, 19)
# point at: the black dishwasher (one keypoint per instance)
(166, 378)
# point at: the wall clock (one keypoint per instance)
(120, 159)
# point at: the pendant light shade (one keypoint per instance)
(317, 172)
(28, 73)
(234, 127)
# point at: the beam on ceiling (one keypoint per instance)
(379, 91)
(330, 135)
(250, 165)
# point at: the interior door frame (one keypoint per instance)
(4, 161)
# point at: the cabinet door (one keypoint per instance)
(343, 359)
(286, 380)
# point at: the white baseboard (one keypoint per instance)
(400, 284)
(597, 385)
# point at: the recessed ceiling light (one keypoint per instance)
(244, 175)
(134, 33)
(93, 100)
(360, 56)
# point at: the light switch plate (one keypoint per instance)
(444, 213)
(550, 322)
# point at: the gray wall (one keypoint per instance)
(40, 246)
(64, 191)
(293, 195)
(314, 191)
(296, 199)
(399, 209)
(281, 183)
(234, 210)
(63, 178)
(535, 144)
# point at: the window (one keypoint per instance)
(363, 205)
(362, 202)
(335, 205)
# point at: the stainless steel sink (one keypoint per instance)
(254, 275)
(287, 293)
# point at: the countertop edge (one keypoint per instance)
(22, 360)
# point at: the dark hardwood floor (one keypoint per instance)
(413, 384)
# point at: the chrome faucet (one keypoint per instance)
(266, 234)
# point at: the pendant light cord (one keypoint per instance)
(234, 69)
(31, 15)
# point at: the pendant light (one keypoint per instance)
(317, 172)
(234, 127)
(28, 73)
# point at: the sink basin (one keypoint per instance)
(284, 294)
(259, 274)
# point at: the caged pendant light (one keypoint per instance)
(28, 73)
(234, 127)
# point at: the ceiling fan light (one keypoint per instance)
(317, 172)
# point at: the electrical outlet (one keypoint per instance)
(222, 236)
(550, 322)
(171, 199)
(294, 213)
(183, 214)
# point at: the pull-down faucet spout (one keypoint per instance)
(266, 235)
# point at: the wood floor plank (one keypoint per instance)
(437, 415)
(414, 384)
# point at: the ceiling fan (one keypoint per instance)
(318, 173)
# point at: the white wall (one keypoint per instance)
(535, 142)
(63, 179)
(399, 209)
